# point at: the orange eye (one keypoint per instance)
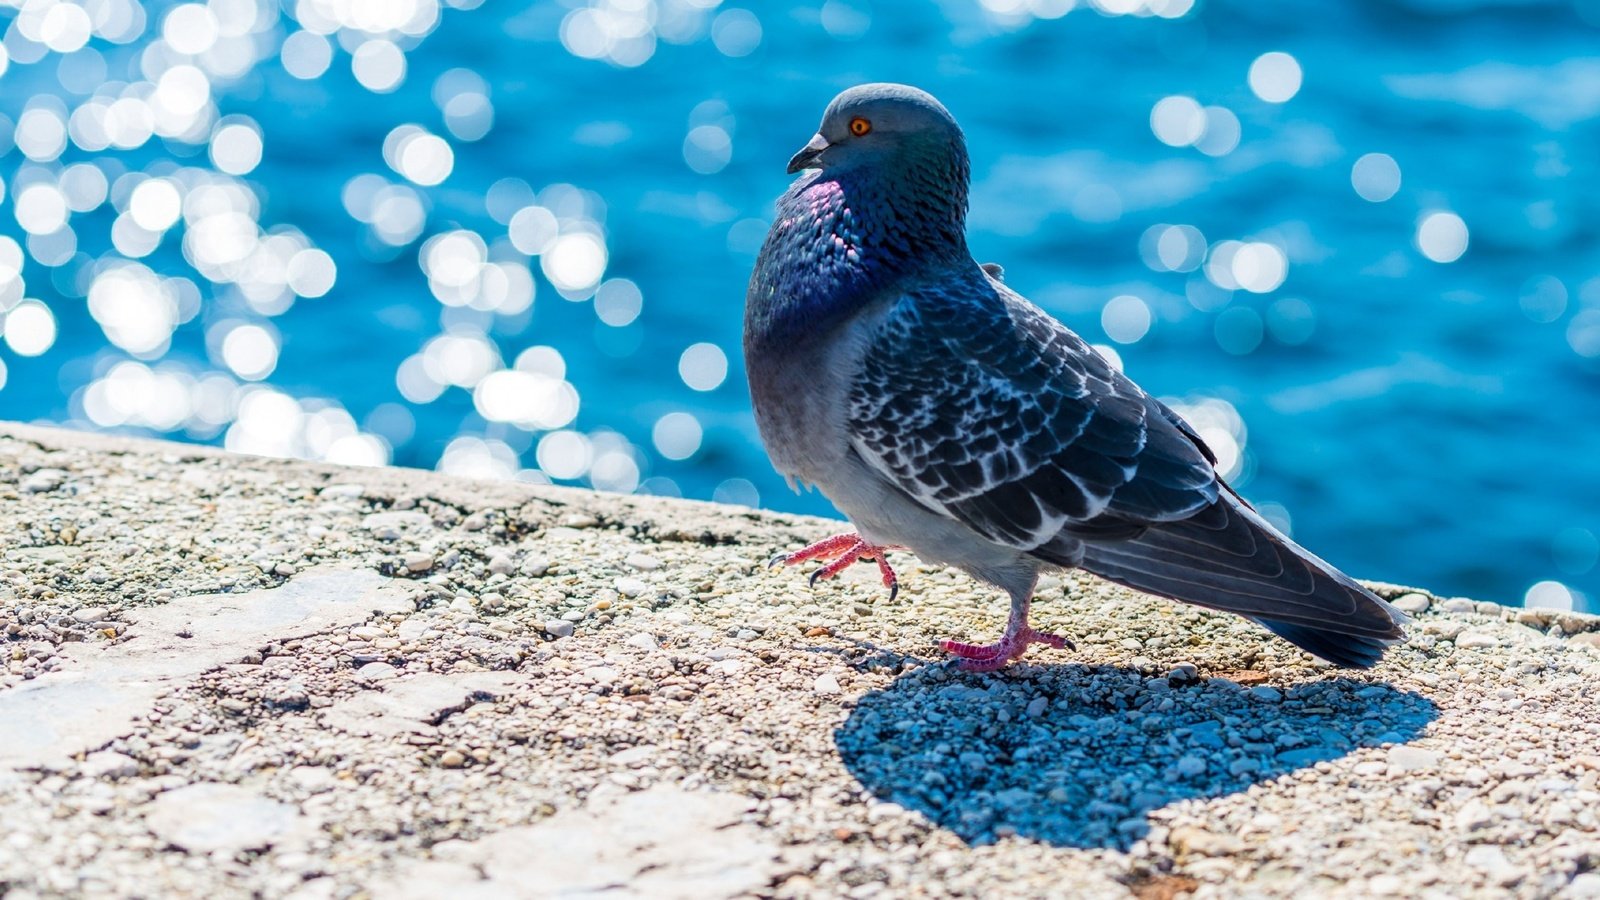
(859, 126)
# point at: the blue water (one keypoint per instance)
(1435, 426)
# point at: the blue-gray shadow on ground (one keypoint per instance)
(1077, 755)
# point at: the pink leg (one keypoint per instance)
(1014, 643)
(838, 552)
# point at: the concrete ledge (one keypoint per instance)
(226, 675)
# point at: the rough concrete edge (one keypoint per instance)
(393, 481)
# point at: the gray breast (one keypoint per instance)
(801, 396)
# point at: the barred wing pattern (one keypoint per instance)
(986, 410)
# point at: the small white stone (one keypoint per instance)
(1411, 603)
(535, 567)
(1266, 692)
(633, 757)
(395, 523)
(90, 614)
(1583, 886)
(1037, 706)
(501, 564)
(826, 684)
(1244, 766)
(1460, 605)
(631, 587)
(644, 640)
(644, 562)
(1475, 814)
(109, 764)
(418, 562)
(1475, 639)
(1191, 765)
(43, 481)
(727, 667)
(1184, 672)
(560, 628)
(1403, 759)
(1488, 858)
(376, 671)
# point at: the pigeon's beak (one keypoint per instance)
(807, 157)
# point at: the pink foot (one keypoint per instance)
(990, 657)
(1019, 634)
(838, 552)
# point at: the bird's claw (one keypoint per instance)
(837, 553)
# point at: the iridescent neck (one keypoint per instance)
(842, 240)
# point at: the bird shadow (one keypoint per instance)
(1078, 756)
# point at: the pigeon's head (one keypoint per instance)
(883, 125)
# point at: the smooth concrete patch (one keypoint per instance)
(61, 714)
(416, 704)
(224, 818)
(663, 842)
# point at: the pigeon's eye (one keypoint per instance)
(859, 126)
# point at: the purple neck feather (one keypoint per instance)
(841, 240)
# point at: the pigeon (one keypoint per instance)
(945, 414)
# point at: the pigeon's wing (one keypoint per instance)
(984, 409)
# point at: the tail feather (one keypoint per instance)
(1346, 650)
(1227, 557)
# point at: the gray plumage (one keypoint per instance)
(941, 411)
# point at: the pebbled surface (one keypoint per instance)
(396, 681)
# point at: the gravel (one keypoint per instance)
(239, 676)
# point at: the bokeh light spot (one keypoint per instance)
(1125, 319)
(251, 351)
(574, 263)
(703, 367)
(1442, 236)
(1376, 177)
(29, 328)
(1275, 77)
(1177, 121)
(736, 32)
(677, 435)
(618, 302)
(236, 147)
(379, 66)
(306, 55)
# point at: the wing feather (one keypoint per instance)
(996, 415)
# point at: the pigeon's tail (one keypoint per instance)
(1227, 557)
